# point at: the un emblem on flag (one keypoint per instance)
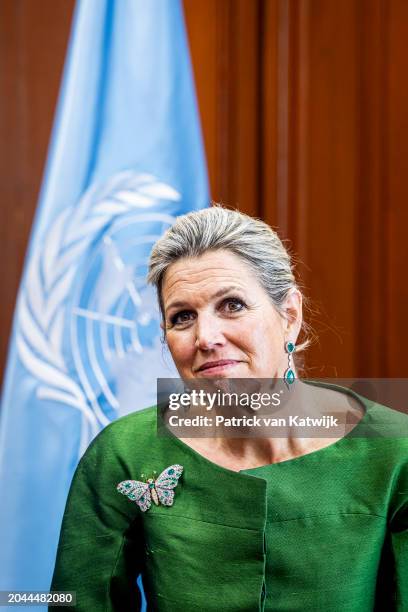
(88, 326)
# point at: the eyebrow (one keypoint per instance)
(217, 294)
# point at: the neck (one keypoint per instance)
(301, 401)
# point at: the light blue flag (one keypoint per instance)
(125, 158)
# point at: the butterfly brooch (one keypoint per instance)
(160, 490)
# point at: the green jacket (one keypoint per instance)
(326, 532)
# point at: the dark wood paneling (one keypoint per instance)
(372, 189)
(303, 107)
(330, 245)
(310, 172)
(329, 156)
(396, 242)
(269, 53)
(205, 41)
(225, 49)
(33, 38)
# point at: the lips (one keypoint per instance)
(217, 364)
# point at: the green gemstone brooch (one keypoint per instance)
(160, 490)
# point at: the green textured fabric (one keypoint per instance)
(326, 532)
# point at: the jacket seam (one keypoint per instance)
(299, 518)
(108, 586)
(296, 518)
(115, 563)
(190, 518)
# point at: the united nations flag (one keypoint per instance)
(125, 159)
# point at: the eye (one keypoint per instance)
(181, 318)
(233, 304)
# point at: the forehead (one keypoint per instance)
(208, 272)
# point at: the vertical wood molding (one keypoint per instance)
(395, 325)
(202, 26)
(245, 151)
(269, 113)
(229, 52)
(372, 189)
(283, 116)
(301, 232)
(225, 109)
(381, 235)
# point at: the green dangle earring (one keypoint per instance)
(289, 375)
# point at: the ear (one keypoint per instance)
(292, 307)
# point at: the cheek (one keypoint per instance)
(264, 337)
(181, 346)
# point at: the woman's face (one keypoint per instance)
(220, 322)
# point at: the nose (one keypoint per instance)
(209, 334)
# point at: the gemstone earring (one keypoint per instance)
(289, 375)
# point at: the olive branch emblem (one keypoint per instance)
(49, 279)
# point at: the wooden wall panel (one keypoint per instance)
(224, 43)
(329, 198)
(310, 172)
(303, 107)
(205, 41)
(330, 121)
(32, 50)
(396, 241)
(269, 112)
(372, 188)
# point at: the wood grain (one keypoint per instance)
(304, 116)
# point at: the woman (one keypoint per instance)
(296, 524)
